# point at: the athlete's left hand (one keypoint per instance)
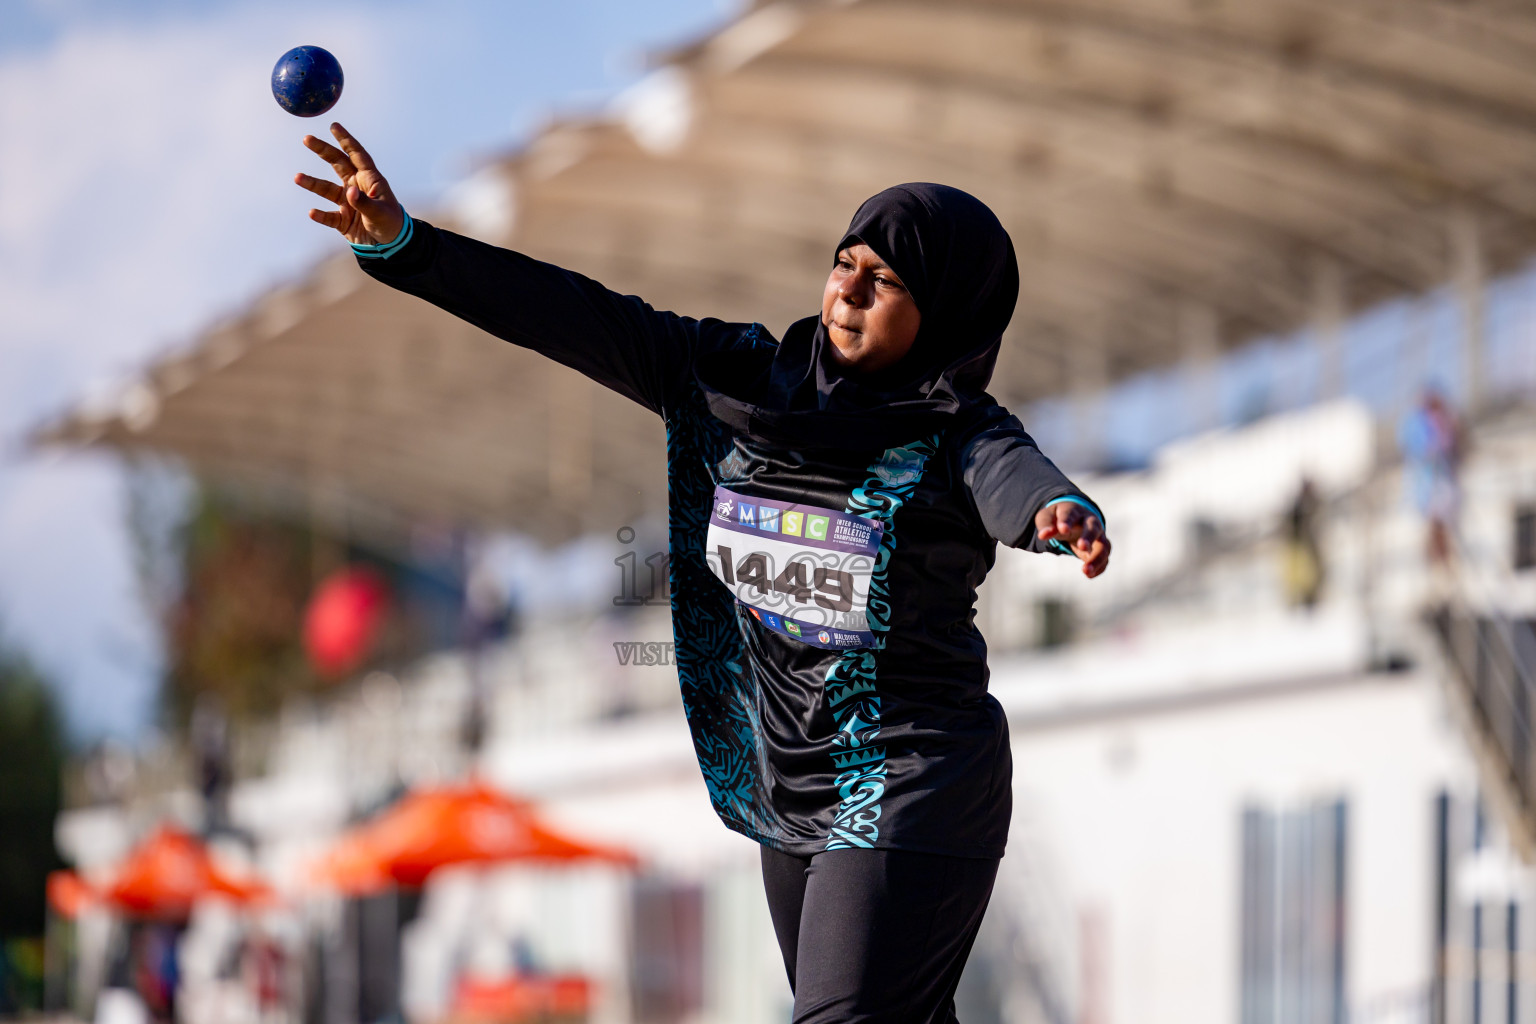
(1080, 530)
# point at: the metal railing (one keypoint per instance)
(1491, 657)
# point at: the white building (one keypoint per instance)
(1227, 808)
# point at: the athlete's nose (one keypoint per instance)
(854, 290)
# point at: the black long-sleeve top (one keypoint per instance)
(823, 592)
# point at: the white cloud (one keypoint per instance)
(75, 602)
(144, 180)
(144, 185)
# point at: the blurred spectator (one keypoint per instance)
(210, 746)
(268, 968)
(490, 613)
(1304, 571)
(490, 616)
(1432, 441)
(156, 974)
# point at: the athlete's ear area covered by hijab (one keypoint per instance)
(954, 257)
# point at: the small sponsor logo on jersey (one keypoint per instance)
(724, 509)
(794, 522)
(852, 531)
(746, 514)
(898, 467)
(773, 620)
(823, 636)
(792, 627)
(768, 518)
(816, 527)
(846, 639)
(756, 614)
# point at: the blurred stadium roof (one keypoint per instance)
(1178, 176)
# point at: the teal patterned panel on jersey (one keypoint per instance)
(717, 691)
(851, 692)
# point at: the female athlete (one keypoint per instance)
(835, 499)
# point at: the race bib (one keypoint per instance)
(801, 570)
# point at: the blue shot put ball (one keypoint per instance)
(307, 81)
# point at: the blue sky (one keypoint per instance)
(145, 190)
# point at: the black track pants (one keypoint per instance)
(875, 936)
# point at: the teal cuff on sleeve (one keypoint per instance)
(388, 249)
(1057, 545)
(1074, 499)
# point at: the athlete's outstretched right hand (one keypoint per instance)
(368, 212)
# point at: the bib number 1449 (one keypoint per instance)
(828, 587)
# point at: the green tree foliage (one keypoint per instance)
(235, 630)
(32, 751)
(235, 623)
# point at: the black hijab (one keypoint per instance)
(957, 262)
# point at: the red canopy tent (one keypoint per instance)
(439, 826)
(160, 879)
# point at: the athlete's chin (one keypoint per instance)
(849, 352)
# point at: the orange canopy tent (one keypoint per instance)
(436, 827)
(161, 878)
(557, 997)
(69, 894)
